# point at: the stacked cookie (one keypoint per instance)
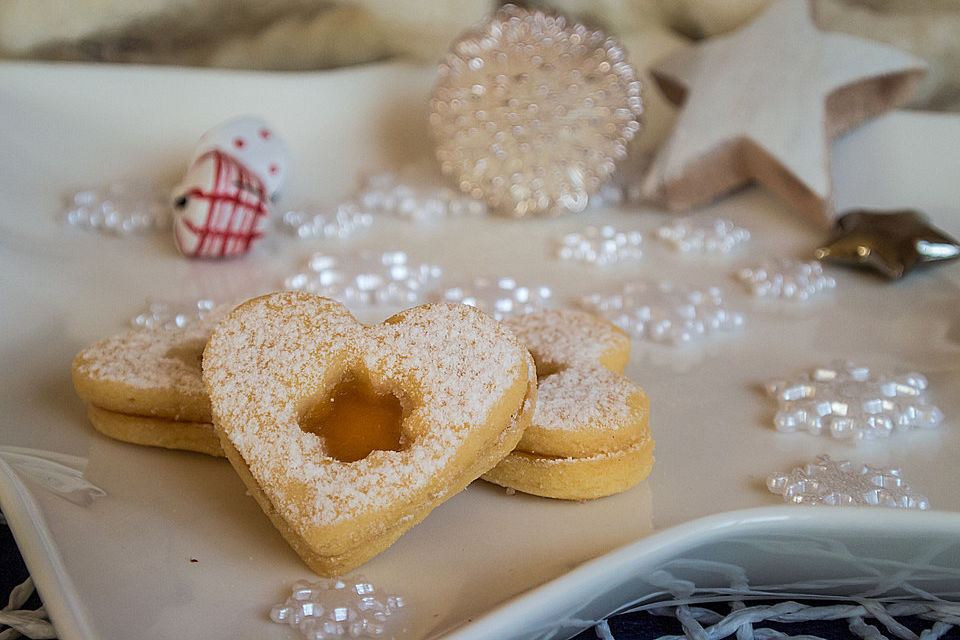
(145, 386)
(348, 435)
(590, 435)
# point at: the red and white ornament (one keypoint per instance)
(222, 205)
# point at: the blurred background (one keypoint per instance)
(323, 34)
(300, 35)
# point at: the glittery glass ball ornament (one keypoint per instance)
(850, 401)
(785, 279)
(599, 246)
(499, 296)
(531, 113)
(664, 312)
(367, 278)
(609, 195)
(329, 609)
(839, 484)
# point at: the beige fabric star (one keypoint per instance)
(764, 103)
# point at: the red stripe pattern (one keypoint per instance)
(225, 219)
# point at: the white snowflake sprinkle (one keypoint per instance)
(840, 484)
(599, 246)
(664, 312)
(405, 195)
(785, 279)
(120, 208)
(499, 296)
(367, 278)
(329, 609)
(171, 315)
(412, 194)
(849, 401)
(311, 221)
(696, 234)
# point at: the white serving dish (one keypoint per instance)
(121, 567)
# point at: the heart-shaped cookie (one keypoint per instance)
(349, 435)
(590, 434)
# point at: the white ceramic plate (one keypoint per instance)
(122, 567)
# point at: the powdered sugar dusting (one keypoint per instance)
(564, 337)
(576, 399)
(584, 405)
(449, 365)
(165, 359)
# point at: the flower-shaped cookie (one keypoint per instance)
(144, 386)
(590, 435)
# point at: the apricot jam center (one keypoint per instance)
(355, 421)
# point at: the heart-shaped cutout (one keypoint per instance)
(465, 385)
